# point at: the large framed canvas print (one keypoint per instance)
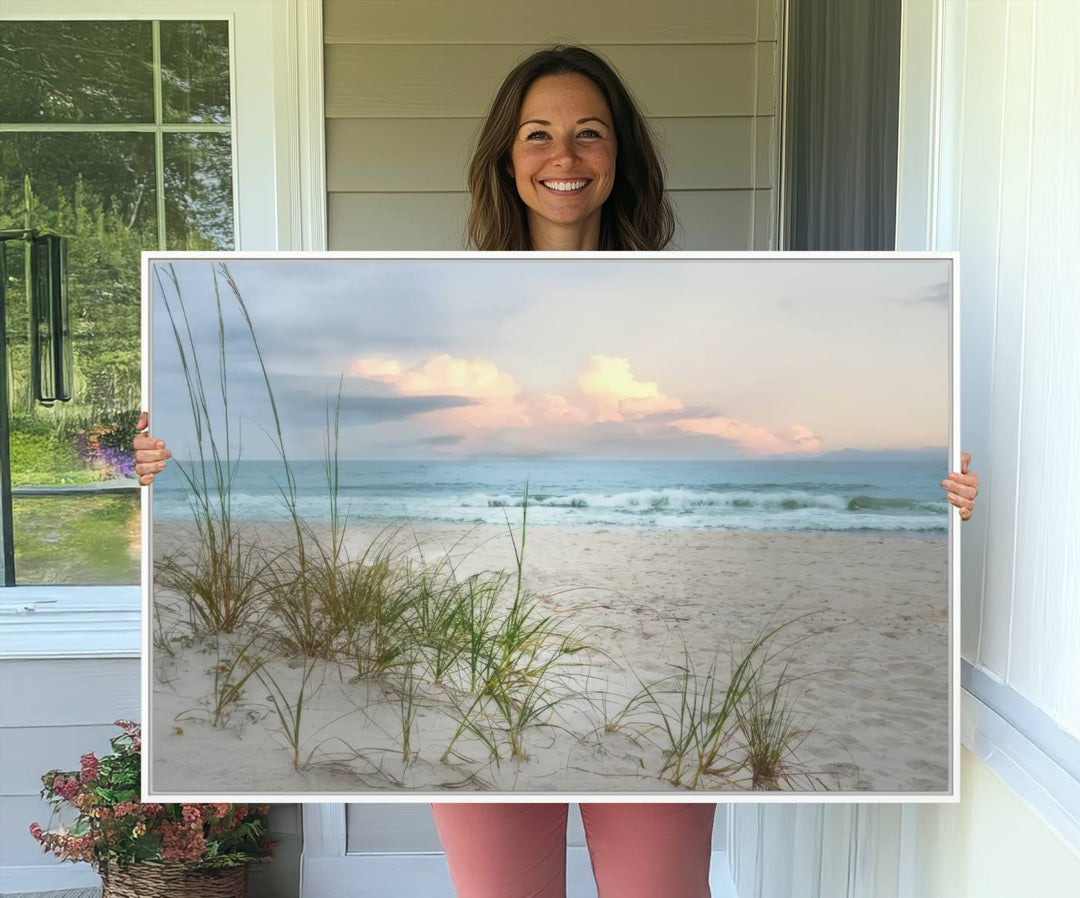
(565, 526)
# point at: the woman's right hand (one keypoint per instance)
(150, 454)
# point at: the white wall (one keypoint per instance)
(990, 845)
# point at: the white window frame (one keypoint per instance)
(279, 189)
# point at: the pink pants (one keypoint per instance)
(519, 850)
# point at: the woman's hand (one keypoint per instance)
(150, 454)
(962, 488)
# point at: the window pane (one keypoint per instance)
(198, 192)
(98, 191)
(195, 71)
(79, 540)
(76, 72)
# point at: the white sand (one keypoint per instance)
(876, 655)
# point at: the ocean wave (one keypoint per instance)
(649, 500)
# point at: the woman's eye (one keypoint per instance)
(589, 132)
(536, 135)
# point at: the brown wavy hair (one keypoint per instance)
(637, 214)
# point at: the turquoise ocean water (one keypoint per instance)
(901, 498)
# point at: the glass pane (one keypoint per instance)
(198, 192)
(76, 72)
(195, 71)
(77, 540)
(98, 191)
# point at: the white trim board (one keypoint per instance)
(1049, 789)
(69, 622)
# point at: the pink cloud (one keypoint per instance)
(441, 374)
(796, 438)
(611, 391)
(607, 391)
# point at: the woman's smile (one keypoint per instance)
(574, 186)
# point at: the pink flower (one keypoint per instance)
(192, 813)
(89, 768)
(65, 788)
(36, 832)
(181, 841)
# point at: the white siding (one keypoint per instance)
(1008, 197)
(54, 711)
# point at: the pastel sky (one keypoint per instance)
(587, 358)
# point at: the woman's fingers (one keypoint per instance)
(965, 488)
(149, 455)
(960, 501)
(147, 442)
(962, 487)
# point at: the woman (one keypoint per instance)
(565, 162)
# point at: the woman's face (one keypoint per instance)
(563, 154)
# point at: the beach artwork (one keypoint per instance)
(443, 525)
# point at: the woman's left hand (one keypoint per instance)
(962, 488)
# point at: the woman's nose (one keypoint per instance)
(564, 150)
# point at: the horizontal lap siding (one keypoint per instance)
(427, 155)
(523, 22)
(460, 80)
(53, 712)
(408, 83)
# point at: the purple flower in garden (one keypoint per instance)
(119, 462)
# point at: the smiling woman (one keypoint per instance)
(565, 161)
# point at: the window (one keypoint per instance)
(118, 136)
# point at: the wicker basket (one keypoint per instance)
(174, 881)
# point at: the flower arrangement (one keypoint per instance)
(113, 827)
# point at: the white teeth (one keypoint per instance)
(564, 185)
